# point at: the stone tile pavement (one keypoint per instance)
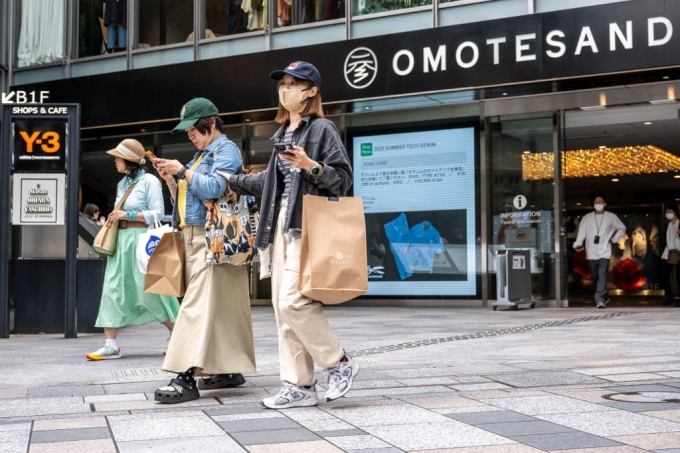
(433, 380)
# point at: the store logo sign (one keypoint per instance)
(361, 67)
(367, 149)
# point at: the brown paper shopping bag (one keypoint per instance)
(165, 270)
(333, 262)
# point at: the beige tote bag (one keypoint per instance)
(333, 261)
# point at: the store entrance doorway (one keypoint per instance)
(630, 155)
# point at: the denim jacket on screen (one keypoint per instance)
(206, 184)
(321, 141)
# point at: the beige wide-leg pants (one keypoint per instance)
(305, 336)
(213, 332)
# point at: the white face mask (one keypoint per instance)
(292, 98)
(670, 215)
(599, 207)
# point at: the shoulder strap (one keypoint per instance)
(125, 195)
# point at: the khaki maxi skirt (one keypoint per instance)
(213, 331)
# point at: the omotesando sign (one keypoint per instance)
(38, 199)
(39, 145)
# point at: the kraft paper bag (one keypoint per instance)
(165, 270)
(333, 259)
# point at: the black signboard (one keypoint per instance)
(39, 146)
(580, 42)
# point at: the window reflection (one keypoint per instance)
(91, 29)
(163, 22)
(298, 12)
(40, 32)
(381, 6)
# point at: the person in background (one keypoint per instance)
(308, 158)
(124, 302)
(599, 229)
(672, 243)
(213, 336)
(92, 212)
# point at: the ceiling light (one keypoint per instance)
(527, 152)
(647, 123)
(665, 77)
(677, 176)
(603, 147)
(578, 204)
(615, 180)
(662, 101)
(593, 107)
(504, 94)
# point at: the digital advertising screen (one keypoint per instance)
(419, 196)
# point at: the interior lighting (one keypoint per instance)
(677, 176)
(603, 147)
(578, 204)
(583, 163)
(615, 180)
(647, 123)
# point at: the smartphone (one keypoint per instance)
(283, 148)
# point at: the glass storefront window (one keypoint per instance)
(163, 22)
(40, 32)
(224, 18)
(92, 33)
(298, 12)
(522, 201)
(380, 6)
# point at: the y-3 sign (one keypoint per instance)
(39, 145)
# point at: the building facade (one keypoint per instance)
(474, 126)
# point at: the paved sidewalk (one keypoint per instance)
(438, 380)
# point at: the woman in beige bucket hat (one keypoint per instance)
(124, 302)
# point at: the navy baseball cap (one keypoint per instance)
(299, 70)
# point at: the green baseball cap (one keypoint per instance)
(193, 111)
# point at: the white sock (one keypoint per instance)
(112, 343)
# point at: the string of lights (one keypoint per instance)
(582, 163)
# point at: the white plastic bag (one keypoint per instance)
(148, 241)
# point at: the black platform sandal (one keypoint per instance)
(220, 381)
(177, 391)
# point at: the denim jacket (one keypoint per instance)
(206, 184)
(321, 141)
(146, 197)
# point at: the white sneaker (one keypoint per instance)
(292, 396)
(106, 352)
(600, 305)
(340, 378)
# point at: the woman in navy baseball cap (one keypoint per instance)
(308, 158)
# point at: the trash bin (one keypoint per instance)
(513, 279)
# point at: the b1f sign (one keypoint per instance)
(25, 97)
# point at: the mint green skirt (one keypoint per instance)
(124, 302)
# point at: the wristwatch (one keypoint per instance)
(180, 174)
(316, 170)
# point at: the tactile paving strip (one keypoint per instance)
(487, 333)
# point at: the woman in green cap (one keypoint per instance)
(213, 335)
